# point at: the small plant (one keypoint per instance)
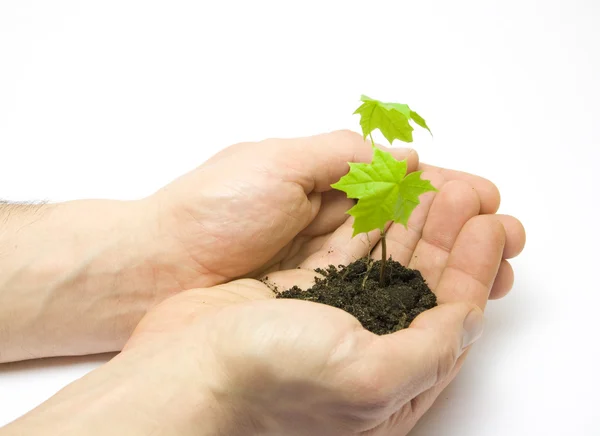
(383, 189)
(388, 299)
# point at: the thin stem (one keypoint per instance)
(371, 138)
(383, 259)
(369, 266)
(383, 243)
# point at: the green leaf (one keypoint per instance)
(418, 119)
(392, 119)
(384, 191)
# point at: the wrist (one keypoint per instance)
(178, 246)
(73, 280)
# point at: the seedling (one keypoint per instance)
(383, 189)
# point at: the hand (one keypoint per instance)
(289, 367)
(268, 206)
(257, 206)
(293, 367)
(271, 367)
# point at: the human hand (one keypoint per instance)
(293, 367)
(267, 367)
(268, 206)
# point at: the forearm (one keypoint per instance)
(131, 395)
(70, 277)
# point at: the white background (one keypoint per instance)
(113, 99)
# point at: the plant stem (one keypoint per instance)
(383, 242)
(369, 266)
(383, 259)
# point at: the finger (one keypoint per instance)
(489, 195)
(332, 214)
(515, 236)
(504, 281)
(411, 361)
(401, 241)
(304, 251)
(316, 162)
(452, 208)
(473, 262)
(341, 248)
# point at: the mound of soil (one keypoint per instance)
(355, 288)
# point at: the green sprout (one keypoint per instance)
(383, 189)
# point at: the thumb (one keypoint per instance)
(316, 162)
(424, 355)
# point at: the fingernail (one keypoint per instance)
(472, 327)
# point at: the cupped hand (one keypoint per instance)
(260, 207)
(299, 368)
(250, 210)
(290, 367)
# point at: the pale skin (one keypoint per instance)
(206, 348)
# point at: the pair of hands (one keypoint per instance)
(292, 367)
(219, 355)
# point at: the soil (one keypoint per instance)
(355, 288)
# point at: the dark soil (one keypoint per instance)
(380, 310)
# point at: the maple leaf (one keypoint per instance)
(383, 190)
(392, 119)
